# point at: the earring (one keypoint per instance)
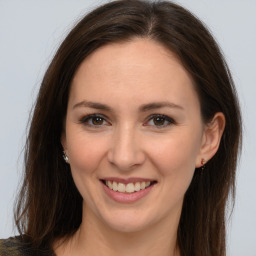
(65, 157)
(203, 162)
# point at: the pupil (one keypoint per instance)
(159, 121)
(97, 120)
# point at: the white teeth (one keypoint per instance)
(121, 187)
(109, 184)
(128, 188)
(114, 186)
(137, 186)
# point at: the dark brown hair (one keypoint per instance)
(49, 205)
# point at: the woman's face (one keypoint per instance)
(133, 125)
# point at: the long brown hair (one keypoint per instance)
(49, 205)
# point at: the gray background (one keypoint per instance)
(30, 32)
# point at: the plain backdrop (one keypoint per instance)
(30, 32)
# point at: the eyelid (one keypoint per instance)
(170, 120)
(85, 119)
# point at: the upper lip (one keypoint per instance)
(127, 180)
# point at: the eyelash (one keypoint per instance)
(85, 120)
(169, 120)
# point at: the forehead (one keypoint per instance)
(140, 70)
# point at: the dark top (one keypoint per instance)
(14, 247)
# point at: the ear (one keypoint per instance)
(63, 141)
(211, 138)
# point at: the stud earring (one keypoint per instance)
(65, 157)
(203, 162)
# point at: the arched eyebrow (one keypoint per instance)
(157, 105)
(142, 108)
(95, 105)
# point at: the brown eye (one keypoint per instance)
(97, 120)
(94, 120)
(159, 121)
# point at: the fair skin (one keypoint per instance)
(146, 125)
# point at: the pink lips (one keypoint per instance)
(127, 197)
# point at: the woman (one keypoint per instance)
(133, 143)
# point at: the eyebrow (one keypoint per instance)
(94, 105)
(143, 108)
(157, 105)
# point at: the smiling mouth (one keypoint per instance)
(128, 188)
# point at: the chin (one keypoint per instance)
(127, 226)
(128, 221)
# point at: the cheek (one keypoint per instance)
(175, 154)
(175, 160)
(86, 153)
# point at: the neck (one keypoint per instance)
(94, 238)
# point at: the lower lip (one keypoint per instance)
(126, 197)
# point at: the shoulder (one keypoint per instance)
(14, 246)
(11, 247)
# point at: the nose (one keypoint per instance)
(125, 151)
